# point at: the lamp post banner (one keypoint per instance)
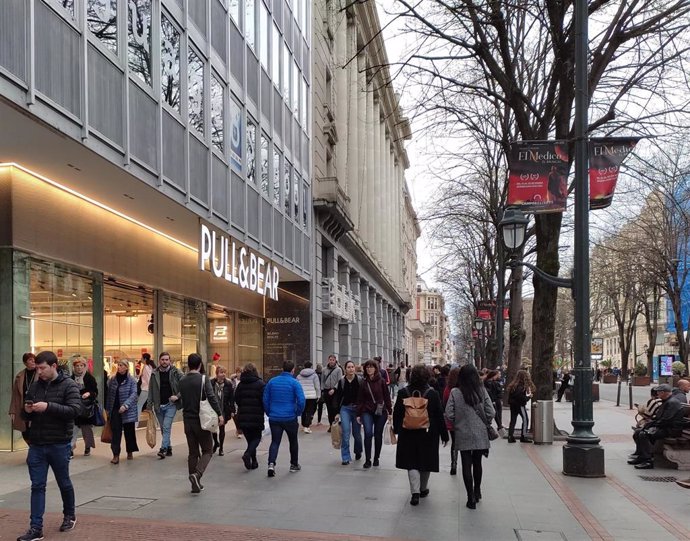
(538, 180)
(605, 158)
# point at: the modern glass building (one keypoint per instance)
(155, 189)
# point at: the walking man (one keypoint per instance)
(283, 403)
(191, 392)
(332, 374)
(164, 393)
(51, 404)
(565, 381)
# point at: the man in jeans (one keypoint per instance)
(283, 403)
(331, 376)
(190, 390)
(51, 404)
(164, 394)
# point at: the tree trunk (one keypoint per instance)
(548, 228)
(517, 330)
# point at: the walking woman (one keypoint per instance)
(519, 393)
(226, 398)
(417, 450)
(346, 393)
(470, 409)
(451, 383)
(373, 408)
(88, 389)
(311, 386)
(122, 411)
(495, 390)
(250, 412)
(22, 382)
(144, 378)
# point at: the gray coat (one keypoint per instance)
(470, 429)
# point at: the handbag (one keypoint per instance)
(97, 418)
(150, 428)
(490, 430)
(389, 437)
(207, 417)
(379, 406)
(336, 435)
(107, 434)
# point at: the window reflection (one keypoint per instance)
(304, 109)
(295, 87)
(68, 5)
(305, 205)
(263, 35)
(236, 135)
(276, 177)
(101, 19)
(217, 108)
(170, 63)
(139, 39)
(251, 150)
(295, 195)
(196, 91)
(264, 165)
(234, 9)
(286, 73)
(287, 183)
(249, 16)
(276, 56)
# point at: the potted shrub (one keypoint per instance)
(608, 377)
(678, 368)
(640, 376)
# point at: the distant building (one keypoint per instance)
(432, 346)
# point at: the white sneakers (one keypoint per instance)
(307, 430)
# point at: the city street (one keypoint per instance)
(525, 495)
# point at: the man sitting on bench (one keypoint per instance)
(668, 423)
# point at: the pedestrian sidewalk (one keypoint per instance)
(525, 495)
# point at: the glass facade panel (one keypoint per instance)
(287, 180)
(217, 112)
(221, 340)
(275, 60)
(295, 196)
(250, 341)
(276, 177)
(286, 73)
(68, 5)
(139, 39)
(264, 33)
(180, 337)
(170, 64)
(196, 91)
(305, 205)
(128, 326)
(304, 111)
(236, 126)
(251, 153)
(61, 313)
(234, 10)
(250, 22)
(101, 19)
(264, 165)
(295, 87)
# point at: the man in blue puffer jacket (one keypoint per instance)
(283, 403)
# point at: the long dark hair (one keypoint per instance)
(452, 380)
(469, 384)
(419, 377)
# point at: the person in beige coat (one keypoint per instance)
(22, 382)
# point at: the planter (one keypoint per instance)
(640, 381)
(595, 393)
(609, 378)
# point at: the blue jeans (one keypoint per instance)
(349, 424)
(277, 429)
(373, 428)
(166, 416)
(39, 458)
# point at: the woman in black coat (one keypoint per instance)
(250, 412)
(88, 389)
(223, 388)
(417, 450)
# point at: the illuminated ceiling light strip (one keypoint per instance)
(98, 204)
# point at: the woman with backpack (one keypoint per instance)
(519, 393)
(418, 421)
(346, 393)
(470, 409)
(373, 408)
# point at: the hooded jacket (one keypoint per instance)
(55, 424)
(249, 399)
(309, 380)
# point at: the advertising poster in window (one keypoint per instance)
(287, 329)
(538, 181)
(597, 350)
(236, 136)
(666, 365)
(605, 158)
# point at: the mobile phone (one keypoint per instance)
(28, 402)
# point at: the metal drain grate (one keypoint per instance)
(540, 535)
(659, 478)
(116, 503)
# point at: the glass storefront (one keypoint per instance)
(221, 340)
(250, 341)
(180, 329)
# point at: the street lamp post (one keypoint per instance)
(500, 301)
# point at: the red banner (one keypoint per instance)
(538, 180)
(605, 158)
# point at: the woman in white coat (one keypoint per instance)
(309, 380)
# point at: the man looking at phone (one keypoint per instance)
(51, 404)
(164, 395)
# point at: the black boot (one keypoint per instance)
(511, 437)
(453, 462)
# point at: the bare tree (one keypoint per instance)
(516, 58)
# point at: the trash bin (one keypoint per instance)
(543, 422)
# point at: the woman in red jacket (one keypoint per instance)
(373, 409)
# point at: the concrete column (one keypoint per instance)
(353, 128)
(355, 326)
(331, 332)
(386, 210)
(343, 326)
(385, 351)
(373, 324)
(370, 169)
(341, 101)
(377, 192)
(365, 319)
(360, 209)
(379, 325)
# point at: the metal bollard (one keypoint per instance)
(618, 395)
(630, 399)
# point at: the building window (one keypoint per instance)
(295, 88)
(180, 336)
(101, 19)
(234, 10)
(275, 61)
(250, 22)
(236, 135)
(196, 91)
(139, 39)
(217, 112)
(287, 180)
(68, 5)
(170, 63)
(295, 196)
(286, 73)
(264, 165)
(304, 110)
(276, 177)
(251, 153)
(306, 205)
(264, 33)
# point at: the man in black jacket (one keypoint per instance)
(668, 422)
(50, 406)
